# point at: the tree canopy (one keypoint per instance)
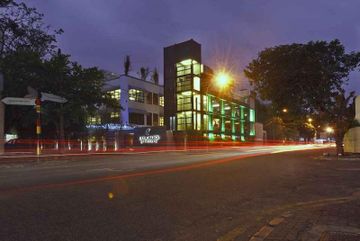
(302, 77)
(30, 58)
(306, 79)
(22, 27)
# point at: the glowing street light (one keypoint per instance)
(285, 110)
(329, 129)
(310, 120)
(222, 79)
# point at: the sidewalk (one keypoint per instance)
(336, 219)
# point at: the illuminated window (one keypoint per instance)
(252, 129)
(136, 95)
(205, 103)
(197, 83)
(206, 122)
(114, 115)
(184, 121)
(183, 83)
(184, 101)
(161, 121)
(196, 68)
(215, 103)
(184, 67)
(115, 94)
(197, 102)
(216, 124)
(252, 115)
(94, 120)
(161, 101)
(197, 121)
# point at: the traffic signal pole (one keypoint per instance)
(38, 125)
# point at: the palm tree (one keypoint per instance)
(342, 115)
(127, 65)
(155, 76)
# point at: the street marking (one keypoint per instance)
(99, 170)
(263, 232)
(276, 221)
(230, 236)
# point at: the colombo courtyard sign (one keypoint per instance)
(149, 139)
(149, 135)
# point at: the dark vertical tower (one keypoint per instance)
(174, 54)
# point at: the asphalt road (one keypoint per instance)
(164, 196)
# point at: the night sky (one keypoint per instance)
(232, 32)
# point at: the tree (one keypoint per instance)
(22, 27)
(155, 76)
(82, 87)
(127, 65)
(302, 77)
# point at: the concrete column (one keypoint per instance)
(124, 99)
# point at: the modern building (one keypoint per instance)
(193, 103)
(141, 101)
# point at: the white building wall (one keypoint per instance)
(128, 82)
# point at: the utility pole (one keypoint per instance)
(2, 116)
(38, 125)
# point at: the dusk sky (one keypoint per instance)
(232, 32)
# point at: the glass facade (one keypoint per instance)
(214, 116)
(136, 95)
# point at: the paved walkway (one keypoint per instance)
(336, 219)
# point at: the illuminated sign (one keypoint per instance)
(149, 139)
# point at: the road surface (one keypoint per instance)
(199, 195)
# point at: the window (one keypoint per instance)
(228, 127)
(137, 119)
(196, 68)
(184, 101)
(155, 99)
(115, 94)
(252, 115)
(161, 121)
(94, 120)
(155, 119)
(136, 95)
(205, 103)
(149, 119)
(206, 122)
(216, 106)
(161, 101)
(197, 121)
(197, 102)
(149, 98)
(184, 67)
(227, 109)
(216, 124)
(183, 83)
(114, 116)
(252, 129)
(184, 121)
(196, 83)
